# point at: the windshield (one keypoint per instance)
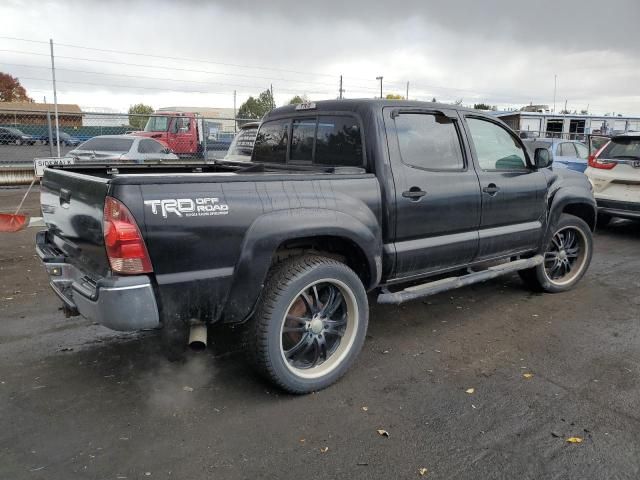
(243, 142)
(107, 144)
(157, 124)
(622, 147)
(15, 131)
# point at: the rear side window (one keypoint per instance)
(338, 142)
(106, 144)
(622, 148)
(150, 146)
(566, 150)
(429, 141)
(271, 142)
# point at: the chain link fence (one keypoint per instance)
(25, 135)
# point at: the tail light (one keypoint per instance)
(595, 163)
(125, 247)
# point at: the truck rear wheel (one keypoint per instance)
(310, 323)
(566, 258)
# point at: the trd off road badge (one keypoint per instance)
(187, 207)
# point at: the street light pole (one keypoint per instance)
(55, 98)
(380, 78)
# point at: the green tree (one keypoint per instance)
(139, 114)
(298, 99)
(482, 106)
(255, 108)
(11, 90)
(394, 96)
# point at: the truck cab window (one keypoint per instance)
(271, 142)
(338, 142)
(429, 141)
(495, 148)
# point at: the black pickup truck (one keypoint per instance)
(340, 198)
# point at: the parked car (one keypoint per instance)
(341, 197)
(14, 135)
(65, 139)
(569, 154)
(614, 172)
(121, 148)
(242, 145)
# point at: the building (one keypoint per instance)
(27, 113)
(572, 126)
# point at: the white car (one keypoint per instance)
(125, 148)
(614, 172)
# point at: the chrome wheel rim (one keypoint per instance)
(319, 328)
(566, 256)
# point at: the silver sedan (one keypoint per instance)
(125, 148)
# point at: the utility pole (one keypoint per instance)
(407, 97)
(565, 105)
(235, 115)
(340, 90)
(555, 87)
(55, 98)
(380, 78)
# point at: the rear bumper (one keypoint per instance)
(119, 303)
(616, 208)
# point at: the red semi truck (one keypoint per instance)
(181, 132)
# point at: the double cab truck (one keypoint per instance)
(340, 198)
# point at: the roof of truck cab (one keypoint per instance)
(361, 105)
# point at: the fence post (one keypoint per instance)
(50, 132)
(205, 135)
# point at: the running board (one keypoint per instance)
(450, 283)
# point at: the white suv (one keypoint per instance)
(614, 172)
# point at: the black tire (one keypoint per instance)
(576, 257)
(603, 220)
(330, 328)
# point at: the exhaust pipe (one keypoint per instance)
(198, 336)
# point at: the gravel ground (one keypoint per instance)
(79, 401)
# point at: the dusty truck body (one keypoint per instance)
(340, 198)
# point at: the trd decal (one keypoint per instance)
(187, 207)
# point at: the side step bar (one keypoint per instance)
(431, 288)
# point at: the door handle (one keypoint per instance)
(491, 189)
(414, 193)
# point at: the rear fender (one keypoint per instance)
(270, 231)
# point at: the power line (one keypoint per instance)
(147, 77)
(183, 59)
(162, 67)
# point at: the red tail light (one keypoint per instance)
(125, 247)
(595, 163)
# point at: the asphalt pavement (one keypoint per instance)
(485, 382)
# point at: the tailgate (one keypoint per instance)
(72, 207)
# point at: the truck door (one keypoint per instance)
(437, 191)
(183, 135)
(513, 192)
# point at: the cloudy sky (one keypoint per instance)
(506, 53)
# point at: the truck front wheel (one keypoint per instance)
(310, 323)
(566, 259)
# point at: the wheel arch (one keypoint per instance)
(283, 234)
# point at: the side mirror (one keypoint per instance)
(542, 158)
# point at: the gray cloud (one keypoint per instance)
(497, 51)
